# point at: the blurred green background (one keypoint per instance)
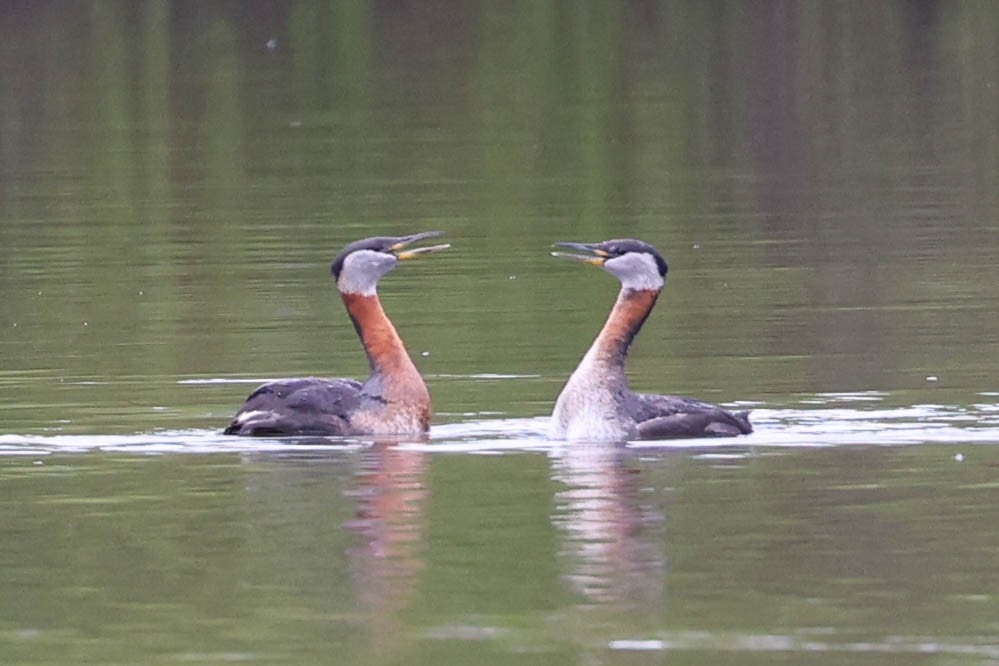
(176, 176)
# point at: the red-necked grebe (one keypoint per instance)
(596, 403)
(393, 400)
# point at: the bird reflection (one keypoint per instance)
(391, 499)
(613, 553)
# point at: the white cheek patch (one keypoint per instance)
(362, 270)
(350, 284)
(636, 270)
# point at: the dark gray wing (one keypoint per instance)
(298, 407)
(670, 416)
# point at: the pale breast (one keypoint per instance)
(590, 415)
(393, 419)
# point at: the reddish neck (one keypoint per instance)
(623, 323)
(391, 367)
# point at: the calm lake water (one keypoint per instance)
(175, 178)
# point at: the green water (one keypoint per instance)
(384, 556)
(175, 178)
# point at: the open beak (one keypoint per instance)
(594, 254)
(400, 251)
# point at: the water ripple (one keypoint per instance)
(841, 421)
(735, 642)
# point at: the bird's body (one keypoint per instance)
(392, 400)
(309, 406)
(596, 403)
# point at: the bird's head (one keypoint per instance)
(362, 263)
(636, 264)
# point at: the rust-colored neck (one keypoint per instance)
(625, 320)
(392, 370)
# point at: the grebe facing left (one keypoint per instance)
(392, 401)
(596, 403)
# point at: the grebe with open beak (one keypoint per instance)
(596, 403)
(392, 400)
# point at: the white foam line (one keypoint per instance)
(783, 643)
(775, 428)
(225, 380)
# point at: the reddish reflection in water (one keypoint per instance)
(390, 522)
